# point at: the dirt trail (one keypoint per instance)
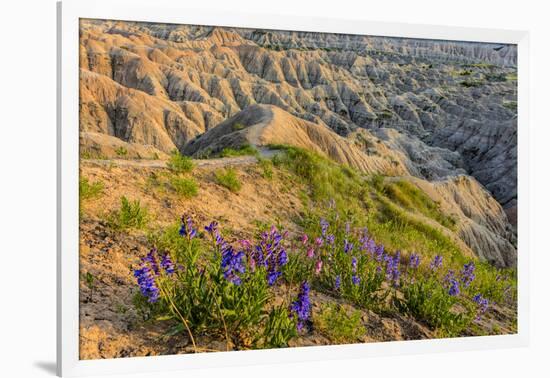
(213, 163)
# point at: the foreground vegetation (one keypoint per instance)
(361, 244)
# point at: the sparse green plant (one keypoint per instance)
(267, 168)
(130, 215)
(228, 178)
(88, 190)
(89, 279)
(238, 126)
(179, 163)
(339, 325)
(121, 151)
(185, 187)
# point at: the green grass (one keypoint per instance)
(427, 300)
(361, 200)
(238, 126)
(184, 187)
(130, 215)
(121, 151)
(228, 178)
(266, 167)
(88, 190)
(245, 150)
(412, 198)
(338, 325)
(179, 163)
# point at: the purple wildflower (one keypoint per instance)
(354, 265)
(146, 283)
(330, 239)
(167, 264)
(212, 227)
(271, 254)
(319, 242)
(348, 247)
(151, 259)
(483, 305)
(272, 277)
(454, 288)
(414, 261)
(301, 307)
(449, 276)
(187, 230)
(436, 262)
(324, 226)
(392, 268)
(355, 279)
(337, 283)
(467, 274)
(233, 264)
(379, 252)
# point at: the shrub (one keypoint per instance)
(130, 215)
(121, 151)
(228, 178)
(89, 189)
(179, 163)
(429, 301)
(267, 168)
(185, 187)
(238, 126)
(338, 325)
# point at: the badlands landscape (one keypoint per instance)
(351, 188)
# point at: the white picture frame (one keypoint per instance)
(169, 11)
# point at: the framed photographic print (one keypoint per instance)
(240, 189)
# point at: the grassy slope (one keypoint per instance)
(396, 213)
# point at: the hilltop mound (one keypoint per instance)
(265, 125)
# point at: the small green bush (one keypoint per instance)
(179, 163)
(228, 178)
(121, 151)
(339, 326)
(267, 168)
(89, 189)
(238, 126)
(130, 215)
(185, 187)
